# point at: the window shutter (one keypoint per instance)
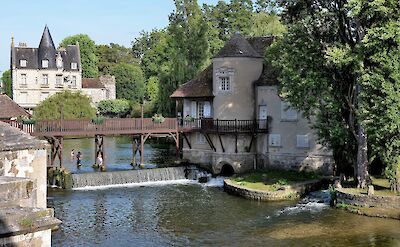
(275, 140)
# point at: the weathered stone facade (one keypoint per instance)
(240, 86)
(25, 219)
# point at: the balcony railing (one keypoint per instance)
(224, 126)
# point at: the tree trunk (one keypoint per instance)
(361, 171)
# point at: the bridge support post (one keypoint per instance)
(135, 149)
(99, 148)
(141, 149)
(56, 150)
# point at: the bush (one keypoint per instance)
(114, 108)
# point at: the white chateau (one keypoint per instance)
(40, 72)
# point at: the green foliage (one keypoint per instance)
(73, 105)
(87, 48)
(112, 54)
(6, 79)
(114, 108)
(129, 81)
(265, 24)
(152, 88)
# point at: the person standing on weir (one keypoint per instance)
(78, 159)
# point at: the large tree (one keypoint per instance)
(69, 105)
(87, 48)
(326, 67)
(112, 54)
(6, 79)
(129, 81)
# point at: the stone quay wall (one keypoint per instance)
(388, 202)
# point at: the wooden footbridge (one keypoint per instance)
(55, 131)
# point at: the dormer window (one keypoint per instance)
(45, 63)
(22, 63)
(74, 66)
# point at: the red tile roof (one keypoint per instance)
(199, 87)
(92, 83)
(10, 109)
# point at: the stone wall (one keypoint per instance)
(29, 163)
(319, 163)
(388, 202)
(214, 161)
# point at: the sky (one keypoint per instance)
(105, 21)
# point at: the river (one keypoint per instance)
(192, 214)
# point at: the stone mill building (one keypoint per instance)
(238, 118)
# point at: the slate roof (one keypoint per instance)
(12, 139)
(237, 46)
(199, 87)
(92, 83)
(10, 109)
(46, 50)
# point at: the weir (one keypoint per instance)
(127, 177)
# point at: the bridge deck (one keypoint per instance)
(138, 126)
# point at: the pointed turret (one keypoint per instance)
(47, 50)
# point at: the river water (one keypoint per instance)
(192, 214)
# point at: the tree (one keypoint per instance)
(265, 24)
(112, 54)
(87, 48)
(187, 51)
(70, 105)
(129, 81)
(380, 81)
(114, 108)
(7, 82)
(320, 62)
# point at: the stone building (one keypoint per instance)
(25, 219)
(239, 87)
(100, 88)
(40, 72)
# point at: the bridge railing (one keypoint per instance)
(106, 126)
(224, 126)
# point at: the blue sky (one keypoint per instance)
(105, 21)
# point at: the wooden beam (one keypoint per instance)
(251, 142)
(222, 145)
(187, 140)
(210, 142)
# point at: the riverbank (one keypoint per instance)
(274, 185)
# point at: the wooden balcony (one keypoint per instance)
(210, 125)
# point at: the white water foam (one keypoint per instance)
(130, 185)
(214, 182)
(315, 202)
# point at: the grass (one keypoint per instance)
(272, 180)
(381, 187)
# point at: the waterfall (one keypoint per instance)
(127, 177)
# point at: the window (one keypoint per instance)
(288, 113)
(74, 66)
(225, 83)
(45, 79)
(59, 80)
(303, 141)
(44, 95)
(23, 80)
(200, 109)
(22, 63)
(225, 79)
(45, 63)
(274, 140)
(73, 82)
(23, 97)
(107, 93)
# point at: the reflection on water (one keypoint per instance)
(195, 215)
(118, 153)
